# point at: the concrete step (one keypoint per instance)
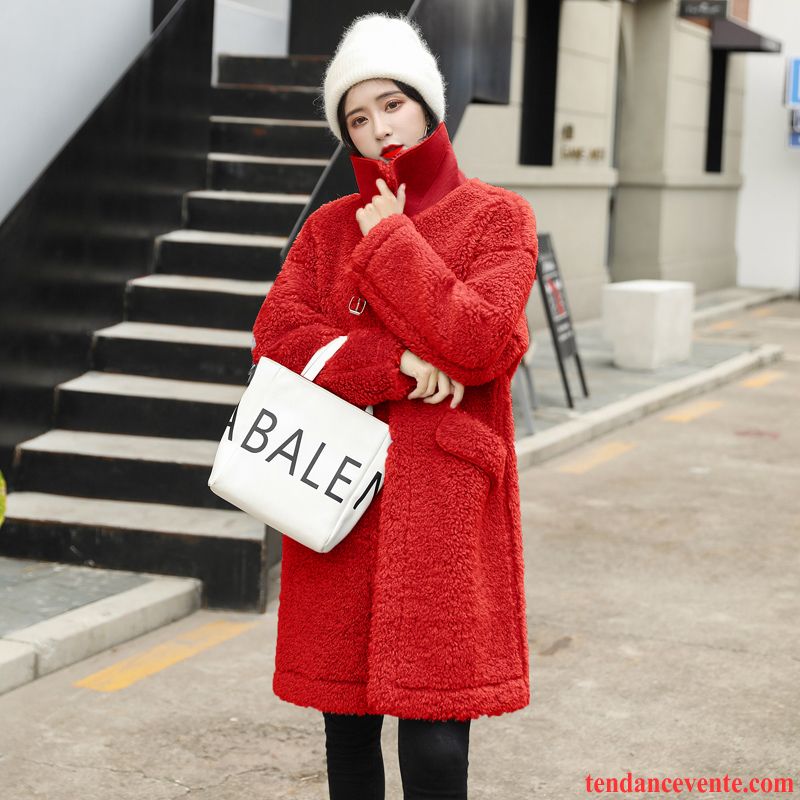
(219, 254)
(271, 136)
(308, 70)
(280, 161)
(149, 469)
(259, 173)
(250, 119)
(223, 548)
(208, 523)
(187, 299)
(264, 213)
(265, 100)
(112, 402)
(181, 352)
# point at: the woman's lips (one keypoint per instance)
(391, 150)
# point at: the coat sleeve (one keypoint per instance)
(473, 330)
(291, 326)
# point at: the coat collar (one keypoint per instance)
(429, 169)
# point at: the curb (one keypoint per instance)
(32, 652)
(539, 447)
(723, 309)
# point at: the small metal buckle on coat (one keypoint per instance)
(359, 309)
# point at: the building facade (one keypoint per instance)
(643, 175)
(768, 231)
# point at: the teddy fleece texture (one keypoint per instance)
(420, 611)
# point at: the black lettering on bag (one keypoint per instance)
(311, 466)
(231, 423)
(376, 483)
(279, 451)
(340, 477)
(263, 431)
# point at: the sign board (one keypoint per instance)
(554, 298)
(793, 83)
(552, 288)
(707, 9)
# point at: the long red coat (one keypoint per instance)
(420, 611)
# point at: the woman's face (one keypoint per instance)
(378, 114)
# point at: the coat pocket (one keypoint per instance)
(464, 435)
(448, 609)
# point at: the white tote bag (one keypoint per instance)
(298, 457)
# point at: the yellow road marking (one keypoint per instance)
(597, 456)
(130, 670)
(762, 379)
(725, 325)
(762, 312)
(693, 411)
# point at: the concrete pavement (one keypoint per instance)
(662, 603)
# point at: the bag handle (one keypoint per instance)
(321, 357)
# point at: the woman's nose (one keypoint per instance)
(382, 129)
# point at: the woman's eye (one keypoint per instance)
(357, 119)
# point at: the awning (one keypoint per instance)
(728, 34)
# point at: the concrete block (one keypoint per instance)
(649, 323)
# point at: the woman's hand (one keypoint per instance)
(383, 205)
(428, 377)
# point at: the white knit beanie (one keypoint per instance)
(382, 46)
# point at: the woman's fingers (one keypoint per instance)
(433, 380)
(426, 383)
(429, 379)
(419, 389)
(444, 389)
(447, 386)
(384, 189)
(387, 202)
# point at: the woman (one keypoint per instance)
(420, 611)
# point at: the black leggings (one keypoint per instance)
(432, 754)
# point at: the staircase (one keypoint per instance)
(120, 481)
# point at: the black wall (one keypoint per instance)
(315, 27)
(89, 221)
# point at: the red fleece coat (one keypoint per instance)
(420, 611)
